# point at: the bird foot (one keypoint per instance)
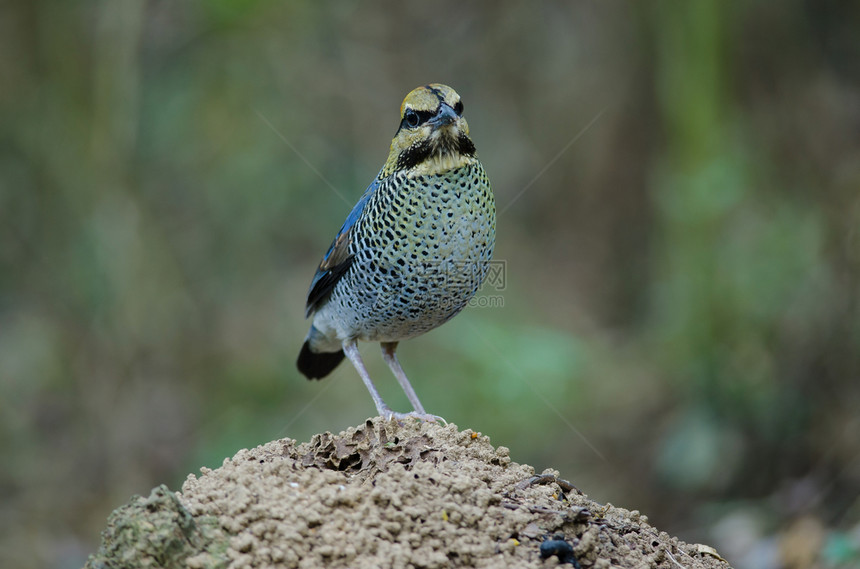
(425, 417)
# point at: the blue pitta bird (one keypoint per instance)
(412, 252)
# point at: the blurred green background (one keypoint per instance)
(678, 187)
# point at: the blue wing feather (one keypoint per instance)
(337, 260)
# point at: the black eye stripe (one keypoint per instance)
(409, 117)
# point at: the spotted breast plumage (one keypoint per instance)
(412, 252)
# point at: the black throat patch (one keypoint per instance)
(418, 153)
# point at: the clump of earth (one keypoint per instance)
(384, 494)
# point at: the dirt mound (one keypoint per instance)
(384, 495)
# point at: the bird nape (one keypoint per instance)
(411, 253)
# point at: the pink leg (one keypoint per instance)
(350, 348)
(390, 358)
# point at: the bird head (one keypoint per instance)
(433, 136)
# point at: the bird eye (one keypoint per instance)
(458, 108)
(411, 118)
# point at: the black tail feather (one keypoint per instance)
(317, 365)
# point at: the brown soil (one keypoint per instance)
(416, 495)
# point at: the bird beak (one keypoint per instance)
(444, 116)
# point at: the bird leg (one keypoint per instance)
(350, 348)
(390, 358)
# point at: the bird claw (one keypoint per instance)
(424, 417)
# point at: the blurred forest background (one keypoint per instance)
(678, 187)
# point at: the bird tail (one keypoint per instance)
(317, 365)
